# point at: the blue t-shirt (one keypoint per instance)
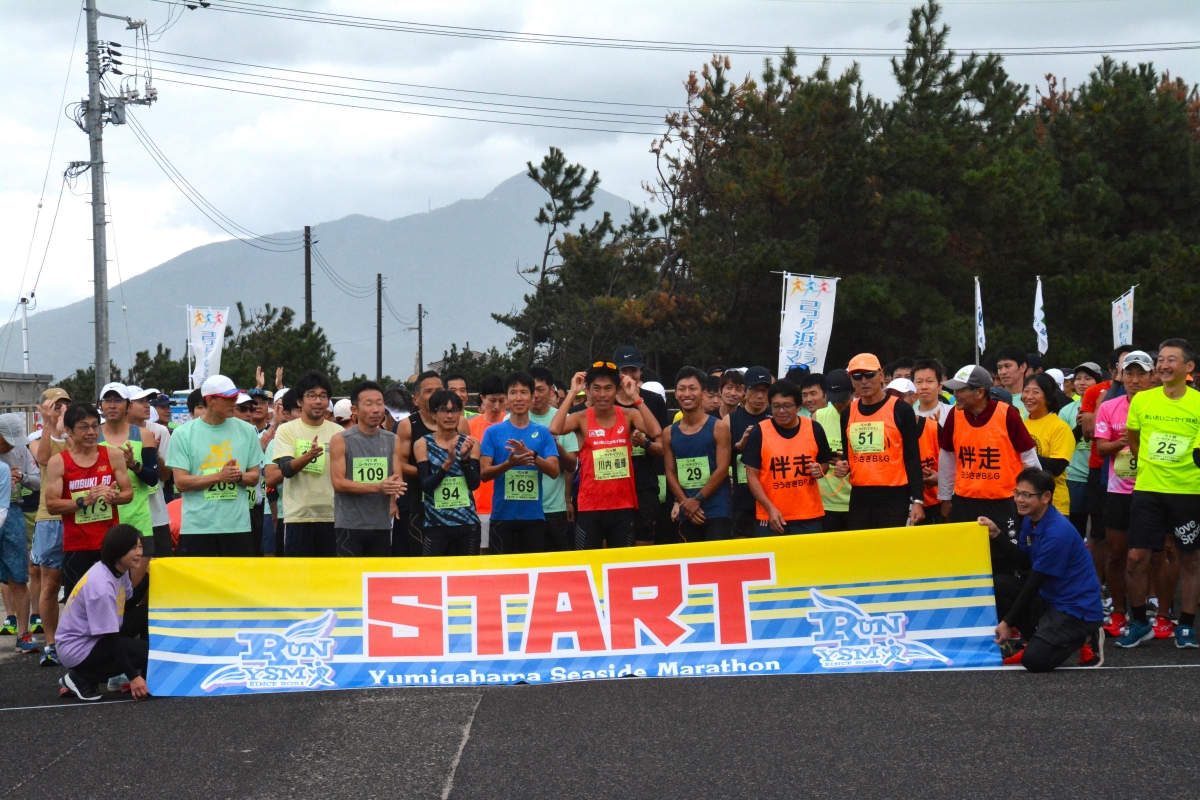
(526, 480)
(1056, 549)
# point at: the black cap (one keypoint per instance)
(161, 400)
(797, 373)
(1001, 394)
(628, 356)
(757, 376)
(837, 386)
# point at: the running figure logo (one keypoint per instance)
(295, 659)
(847, 636)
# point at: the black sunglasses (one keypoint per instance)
(862, 376)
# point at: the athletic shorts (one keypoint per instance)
(512, 536)
(163, 544)
(357, 543)
(647, 514)
(309, 539)
(560, 534)
(613, 527)
(714, 529)
(1096, 494)
(1078, 492)
(1153, 514)
(745, 524)
(76, 563)
(874, 507)
(451, 540)
(217, 545)
(792, 527)
(837, 521)
(1116, 511)
(14, 558)
(47, 549)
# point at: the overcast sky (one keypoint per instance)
(274, 164)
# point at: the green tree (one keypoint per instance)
(474, 367)
(159, 371)
(267, 338)
(82, 385)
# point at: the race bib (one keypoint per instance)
(662, 488)
(866, 437)
(521, 484)
(693, 472)
(1125, 465)
(222, 490)
(638, 450)
(1168, 448)
(741, 470)
(610, 463)
(317, 465)
(369, 469)
(252, 495)
(100, 511)
(452, 492)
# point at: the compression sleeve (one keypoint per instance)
(906, 421)
(1055, 466)
(1029, 458)
(285, 466)
(149, 474)
(824, 453)
(430, 476)
(471, 472)
(1032, 584)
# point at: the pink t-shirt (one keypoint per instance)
(1110, 425)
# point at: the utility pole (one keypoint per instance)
(101, 109)
(307, 273)
(25, 331)
(420, 338)
(378, 326)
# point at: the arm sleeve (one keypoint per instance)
(285, 466)
(946, 475)
(471, 473)
(1032, 584)
(752, 452)
(845, 423)
(824, 454)
(31, 476)
(1029, 458)
(430, 475)
(149, 474)
(906, 421)
(1055, 466)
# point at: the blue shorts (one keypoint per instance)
(47, 544)
(1078, 491)
(14, 566)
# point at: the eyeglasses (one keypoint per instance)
(862, 376)
(1019, 495)
(783, 407)
(315, 396)
(608, 364)
(86, 427)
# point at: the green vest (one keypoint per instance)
(137, 511)
(835, 492)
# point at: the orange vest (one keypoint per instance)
(988, 464)
(874, 447)
(784, 473)
(930, 452)
(483, 495)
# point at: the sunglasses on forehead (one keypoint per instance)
(608, 364)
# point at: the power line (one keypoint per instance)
(387, 301)
(650, 45)
(346, 287)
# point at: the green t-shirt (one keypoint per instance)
(309, 496)
(200, 449)
(1168, 431)
(835, 492)
(554, 497)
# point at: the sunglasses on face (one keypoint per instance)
(862, 376)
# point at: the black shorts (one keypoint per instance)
(217, 545)
(792, 527)
(309, 539)
(1153, 514)
(1116, 511)
(714, 529)
(614, 528)
(451, 540)
(1004, 514)
(163, 544)
(1096, 494)
(75, 565)
(357, 542)
(744, 524)
(874, 507)
(511, 536)
(666, 530)
(835, 521)
(560, 533)
(646, 520)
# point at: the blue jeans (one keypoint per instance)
(14, 565)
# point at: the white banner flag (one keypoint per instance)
(206, 336)
(807, 321)
(1122, 316)
(1039, 320)
(980, 338)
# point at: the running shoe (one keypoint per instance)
(1088, 657)
(118, 683)
(10, 626)
(1151, 607)
(1185, 637)
(1135, 633)
(27, 644)
(50, 657)
(1116, 624)
(1106, 601)
(1163, 628)
(35, 623)
(1014, 658)
(63, 691)
(80, 687)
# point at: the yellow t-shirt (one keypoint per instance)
(1054, 440)
(308, 495)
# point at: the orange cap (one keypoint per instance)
(865, 362)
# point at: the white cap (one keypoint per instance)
(153, 414)
(119, 388)
(329, 407)
(243, 398)
(12, 430)
(279, 395)
(138, 393)
(398, 415)
(1057, 374)
(341, 409)
(902, 385)
(656, 387)
(218, 386)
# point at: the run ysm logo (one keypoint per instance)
(298, 658)
(847, 636)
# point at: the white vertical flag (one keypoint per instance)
(1039, 319)
(1122, 318)
(980, 338)
(808, 302)
(206, 336)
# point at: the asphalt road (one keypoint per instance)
(1128, 728)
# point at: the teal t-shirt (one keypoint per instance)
(201, 449)
(554, 497)
(1077, 469)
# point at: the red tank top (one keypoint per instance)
(85, 529)
(605, 465)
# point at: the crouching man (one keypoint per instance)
(1062, 579)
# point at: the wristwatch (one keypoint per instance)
(80, 502)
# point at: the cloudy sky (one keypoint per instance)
(275, 164)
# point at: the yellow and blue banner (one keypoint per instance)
(884, 600)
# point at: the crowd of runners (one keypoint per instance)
(1086, 479)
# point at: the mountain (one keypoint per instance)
(459, 261)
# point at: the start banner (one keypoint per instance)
(897, 599)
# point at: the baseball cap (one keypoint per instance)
(259, 393)
(657, 388)
(1000, 393)
(1141, 358)
(1058, 376)
(903, 385)
(837, 386)
(138, 393)
(243, 398)
(12, 430)
(971, 376)
(120, 388)
(341, 409)
(797, 373)
(397, 414)
(628, 356)
(758, 376)
(866, 362)
(1091, 368)
(218, 386)
(161, 400)
(55, 394)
